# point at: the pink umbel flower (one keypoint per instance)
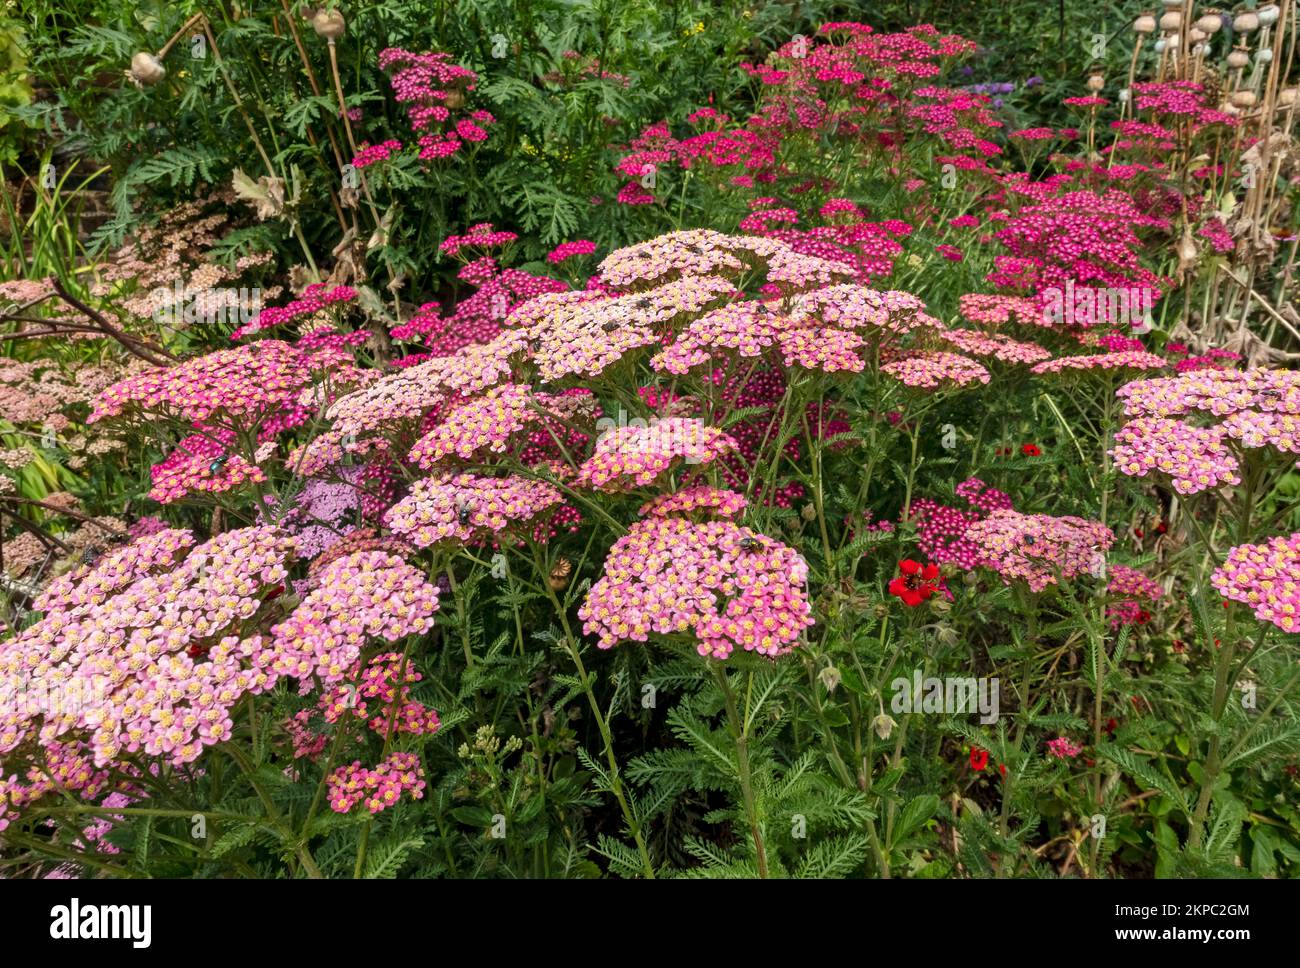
(1040, 549)
(1265, 577)
(467, 507)
(724, 585)
(568, 250)
(1195, 458)
(636, 456)
(1063, 749)
(931, 370)
(376, 789)
(719, 501)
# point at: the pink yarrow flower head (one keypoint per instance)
(722, 585)
(1040, 549)
(1265, 577)
(467, 507)
(634, 456)
(934, 370)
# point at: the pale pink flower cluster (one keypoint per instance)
(715, 500)
(723, 584)
(1281, 431)
(1131, 583)
(930, 370)
(880, 314)
(995, 345)
(242, 382)
(1267, 578)
(143, 659)
(695, 252)
(1194, 457)
(1216, 392)
(1040, 549)
(462, 506)
(635, 456)
(1123, 360)
(408, 393)
(988, 309)
(483, 423)
(365, 594)
(379, 788)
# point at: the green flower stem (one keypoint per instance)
(740, 733)
(602, 723)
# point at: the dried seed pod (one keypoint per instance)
(1210, 22)
(1171, 20)
(1239, 57)
(455, 99)
(1096, 81)
(1145, 24)
(146, 69)
(1287, 96)
(1245, 22)
(1197, 36)
(1268, 14)
(1243, 99)
(329, 24)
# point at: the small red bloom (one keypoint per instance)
(1162, 527)
(915, 583)
(1143, 617)
(978, 758)
(1110, 725)
(1137, 532)
(1031, 450)
(1002, 768)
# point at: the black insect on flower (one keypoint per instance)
(215, 467)
(750, 544)
(89, 556)
(609, 325)
(464, 512)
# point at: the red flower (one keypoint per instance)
(978, 758)
(1002, 768)
(1031, 450)
(915, 583)
(1110, 725)
(1143, 617)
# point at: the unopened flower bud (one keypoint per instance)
(830, 677)
(883, 725)
(146, 69)
(329, 24)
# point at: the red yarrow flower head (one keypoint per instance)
(915, 583)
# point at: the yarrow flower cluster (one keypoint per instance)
(463, 506)
(726, 585)
(143, 651)
(1267, 578)
(377, 789)
(1040, 549)
(932, 370)
(365, 594)
(1195, 458)
(635, 456)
